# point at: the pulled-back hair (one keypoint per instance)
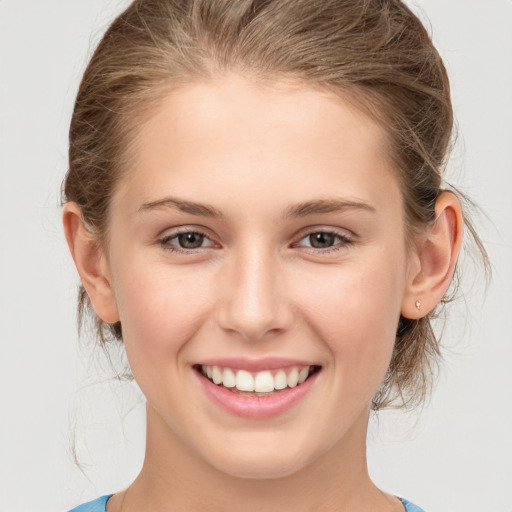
(374, 53)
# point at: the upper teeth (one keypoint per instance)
(260, 382)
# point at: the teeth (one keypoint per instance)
(244, 381)
(228, 378)
(303, 375)
(293, 378)
(217, 375)
(280, 380)
(260, 382)
(264, 382)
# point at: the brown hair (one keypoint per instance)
(375, 53)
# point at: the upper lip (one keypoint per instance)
(255, 365)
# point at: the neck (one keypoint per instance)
(173, 474)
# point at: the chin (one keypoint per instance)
(253, 462)
(259, 469)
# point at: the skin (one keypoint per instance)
(257, 287)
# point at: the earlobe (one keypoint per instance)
(434, 259)
(91, 263)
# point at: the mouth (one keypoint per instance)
(263, 383)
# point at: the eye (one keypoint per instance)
(185, 241)
(324, 240)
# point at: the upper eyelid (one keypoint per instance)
(164, 238)
(341, 232)
(305, 233)
(344, 239)
(174, 232)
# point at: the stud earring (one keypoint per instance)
(418, 305)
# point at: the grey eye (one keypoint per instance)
(322, 240)
(190, 240)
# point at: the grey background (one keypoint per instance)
(454, 455)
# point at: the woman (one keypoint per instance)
(255, 207)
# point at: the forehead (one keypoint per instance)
(236, 139)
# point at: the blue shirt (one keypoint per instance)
(100, 504)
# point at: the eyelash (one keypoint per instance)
(344, 241)
(164, 242)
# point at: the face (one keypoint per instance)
(259, 235)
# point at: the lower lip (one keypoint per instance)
(256, 406)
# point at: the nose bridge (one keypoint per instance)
(253, 303)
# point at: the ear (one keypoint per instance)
(434, 258)
(91, 263)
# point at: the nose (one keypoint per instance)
(253, 297)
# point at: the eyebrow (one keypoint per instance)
(325, 206)
(316, 206)
(203, 210)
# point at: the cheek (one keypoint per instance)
(356, 315)
(159, 310)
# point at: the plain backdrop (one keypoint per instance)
(454, 455)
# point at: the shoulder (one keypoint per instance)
(97, 505)
(410, 507)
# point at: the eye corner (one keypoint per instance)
(330, 236)
(179, 234)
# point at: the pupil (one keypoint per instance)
(190, 240)
(321, 240)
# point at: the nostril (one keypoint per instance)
(254, 326)
(252, 306)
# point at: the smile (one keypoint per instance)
(258, 383)
(270, 389)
